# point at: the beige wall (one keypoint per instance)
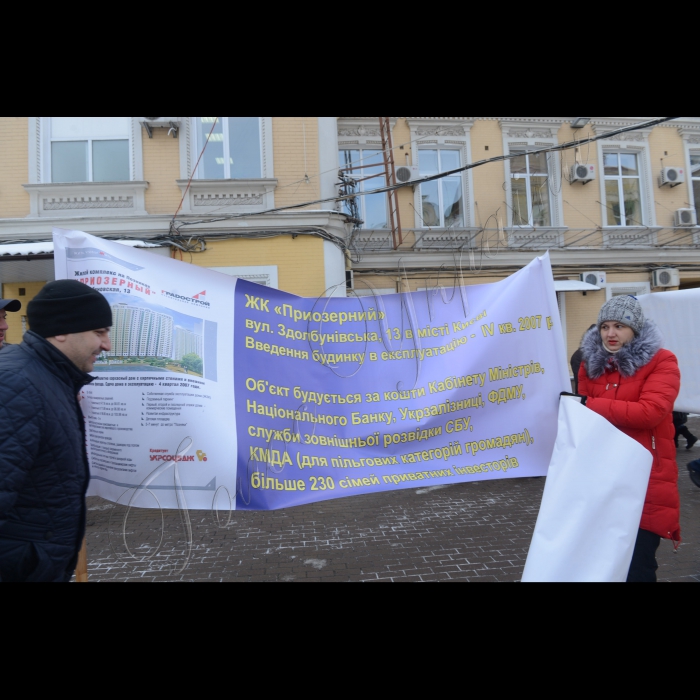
(296, 155)
(668, 150)
(489, 196)
(300, 261)
(161, 169)
(14, 320)
(14, 167)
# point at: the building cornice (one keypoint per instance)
(590, 259)
(145, 227)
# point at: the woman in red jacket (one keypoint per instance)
(629, 380)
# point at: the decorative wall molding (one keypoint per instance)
(241, 196)
(87, 199)
(359, 131)
(441, 131)
(373, 240)
(76, 203)
(536, 239)
(511, 131)
(444, 239)
(629, 237)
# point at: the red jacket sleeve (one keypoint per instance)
(656, 402)
(584, 383)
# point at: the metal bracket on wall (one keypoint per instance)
(174, 129)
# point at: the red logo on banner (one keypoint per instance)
(201, 294)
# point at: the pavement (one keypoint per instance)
(476, 533)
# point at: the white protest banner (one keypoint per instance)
(214, 383)
(159, 415)
(593, 502)
(677, 315)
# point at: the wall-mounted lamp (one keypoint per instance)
(580, 122)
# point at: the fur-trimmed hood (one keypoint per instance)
(637, 354)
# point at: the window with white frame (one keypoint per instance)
(695, 174)
(234, 151)
(366, 168)
(623, 189)
(625, 289)
(442, 200)
(90, 149)
(531, 201)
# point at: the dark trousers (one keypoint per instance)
(644, 564)
(683, 430)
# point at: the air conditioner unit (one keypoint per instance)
(672, 177)
(583, 173)
(597, 279)
(686, 218)
(407, 173)
(666, 278)
(172, 123)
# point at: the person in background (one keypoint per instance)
(13, 306)
(44, 473)
(680, 421)
(577, 360)
(632, 382)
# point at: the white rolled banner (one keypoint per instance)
(677, 314)
(593, 502)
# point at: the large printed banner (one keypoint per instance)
(217, 386)
(160, 416)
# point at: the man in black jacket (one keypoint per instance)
(44, 471)
(6, 305)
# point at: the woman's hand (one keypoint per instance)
(582, 399)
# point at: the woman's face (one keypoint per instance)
(616, 335)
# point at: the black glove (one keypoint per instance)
(583, 399)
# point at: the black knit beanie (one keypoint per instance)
(65, 307)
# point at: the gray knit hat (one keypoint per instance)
(626, 310)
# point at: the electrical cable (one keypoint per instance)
(308, 179)
(201, 155)
(432, 178)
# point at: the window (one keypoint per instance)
(530, 189)
(90, 149)
(695, 173)
(235, 148)
(442, 200)
(623, 189)
(624, 289)
(359, 165)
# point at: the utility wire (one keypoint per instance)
(498, 159)
(355, 147)
(199, 160)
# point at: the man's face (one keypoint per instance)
(83, 349)
(3, 327)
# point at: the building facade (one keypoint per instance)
(621, 212)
